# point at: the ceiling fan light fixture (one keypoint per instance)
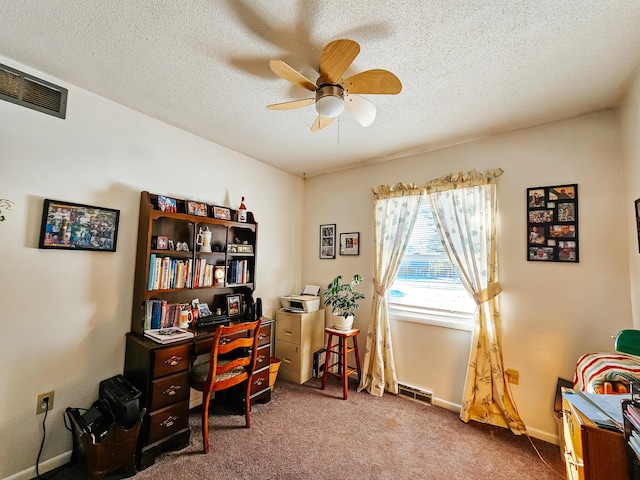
(329, 101)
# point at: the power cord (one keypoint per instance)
(560, 475)
(44, 435)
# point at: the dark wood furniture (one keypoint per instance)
(341, 351)
(161, 371)
(631, 419)
(116, 451)
(231, 363)
(591, 452)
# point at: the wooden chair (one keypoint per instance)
(232, 361)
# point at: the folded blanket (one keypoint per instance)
(606, 372)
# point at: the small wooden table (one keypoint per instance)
(343, 351)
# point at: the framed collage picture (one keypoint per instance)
(328, 241)
(350, 243)
(552, 224)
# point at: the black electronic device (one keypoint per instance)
(258, 308)
(212, 320)
(95, 421)
(122, 398)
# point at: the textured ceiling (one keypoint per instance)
(469, 68)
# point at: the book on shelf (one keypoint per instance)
(633, 414)
(168, 335)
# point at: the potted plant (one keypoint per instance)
(343, 301)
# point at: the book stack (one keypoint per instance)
(204, 274)
(238, 271)
(161, 314)
(168, 335)
(166, 273)
(633, 415)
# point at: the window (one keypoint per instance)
(427, 287)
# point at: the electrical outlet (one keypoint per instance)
(43, 400)
(513, 376)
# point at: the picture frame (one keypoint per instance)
(76, 226)
(197, 208)
(221, 213)
(234, 305)
(350, 243)
(328, 241)
(552, 224)
(167, 204)
(638, 221)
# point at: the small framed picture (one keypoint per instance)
(74, 226)
(350, 243)
(203, 310)
(638, 221)
(162, 243)
(166, 204)
(197, 208)
(234, 305)
(221, 213)
(328, 241)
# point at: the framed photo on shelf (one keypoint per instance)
(74, 226)
(328, 241)
(350, 243)
(234, 305)
(221, 213)
(166, 204)
(638, 221)
(197, 208)
(552, 224)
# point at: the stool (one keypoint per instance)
(343, 354)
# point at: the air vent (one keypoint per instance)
(414, 394)
(31, 92)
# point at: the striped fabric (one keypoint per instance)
(594, 369)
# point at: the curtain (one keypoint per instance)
(465, 212)
(395, 213)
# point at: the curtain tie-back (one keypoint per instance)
(377, 287)
(487, 294)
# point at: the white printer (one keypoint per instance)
(307, 301)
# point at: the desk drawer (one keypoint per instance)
(289, 353)
(263, 358)
(168, 390)
(170, 360)
(166, 421)
(260, 381)
(264, 337)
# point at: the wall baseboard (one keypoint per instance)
(44, 467)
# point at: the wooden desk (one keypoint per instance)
(161, 373)
(591, 453)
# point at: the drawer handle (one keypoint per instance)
(224, 340)
(286, 360)
(288, 332)
(262, 336)
(261, 358)
(259, 381)
(172, 390)
(173, 360)
(169, 421)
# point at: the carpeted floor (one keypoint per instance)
(307, 433)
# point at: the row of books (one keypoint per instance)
(161, 314)
(204, 273)
(167, 272)
(238, 271)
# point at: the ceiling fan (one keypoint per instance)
(333, 93)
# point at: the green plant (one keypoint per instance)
(341, 297)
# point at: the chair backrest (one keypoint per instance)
(628, 341)
(233, 355)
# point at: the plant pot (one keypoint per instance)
(342, 323)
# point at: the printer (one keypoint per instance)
(122, 398)
(307, 301)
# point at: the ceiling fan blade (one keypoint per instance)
(360, 108)
(286, 72)
(373, 82)
(320, 123)
(336, 58)
(292, 104)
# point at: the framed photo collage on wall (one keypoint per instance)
(552, 224)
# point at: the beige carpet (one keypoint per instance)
(307, 433)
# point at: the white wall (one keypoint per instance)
(630, 123)
(64, 314)
(551, 313)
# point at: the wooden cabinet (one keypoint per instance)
(298, 336)
(161, 372)
(186, 272)
(591, 453)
